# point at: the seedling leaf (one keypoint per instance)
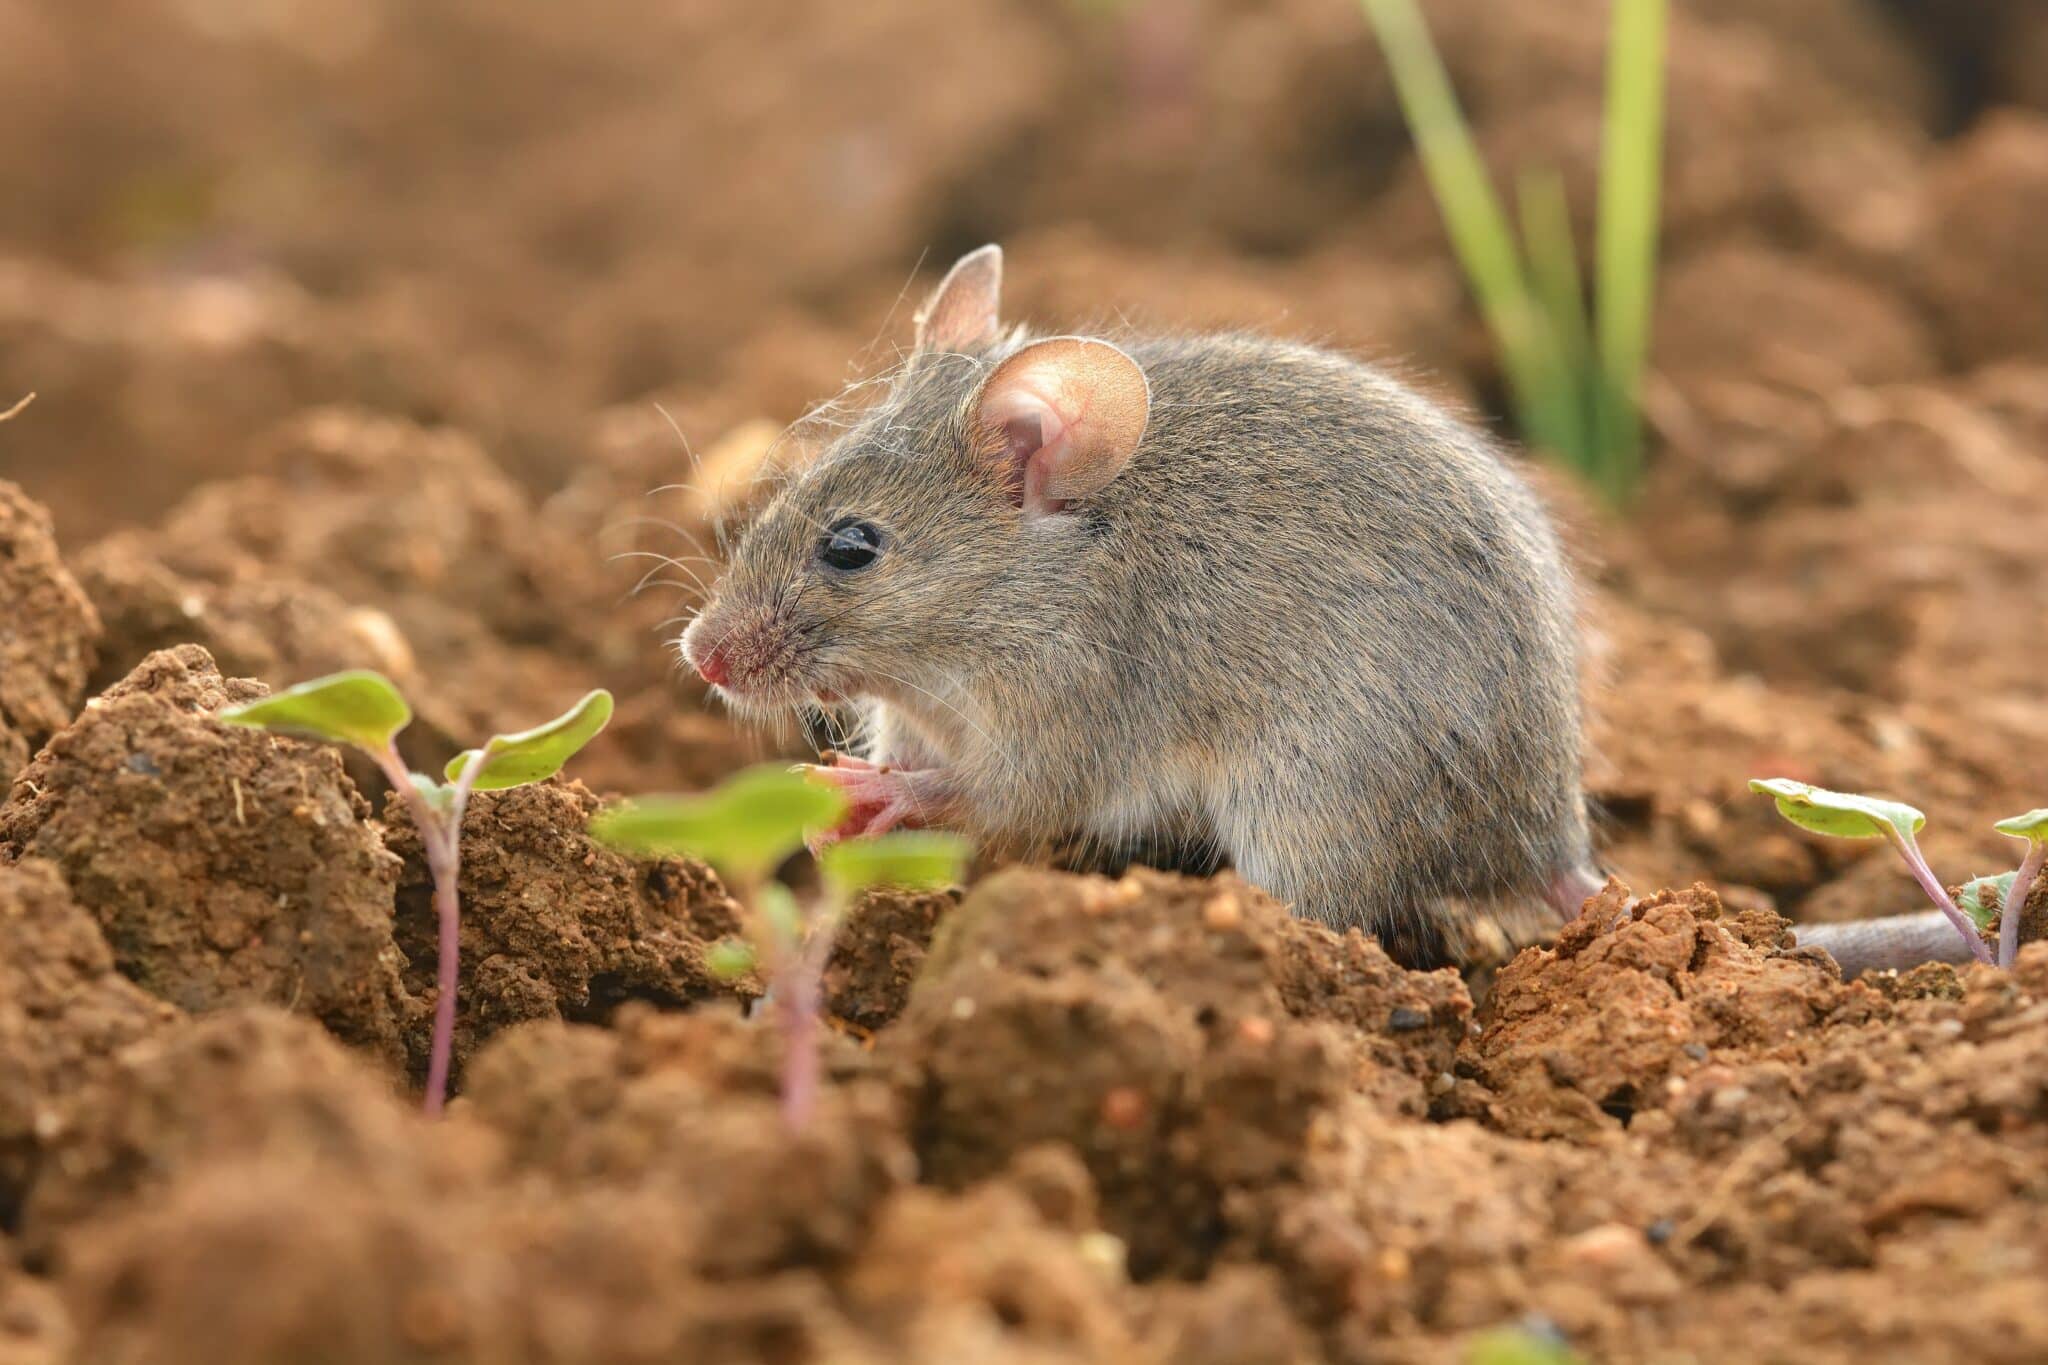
(729, 959)
(538, 754)
(745, 827)
(359, 707)
(2032, 826)
(1983, 897)
(913, 859)
(1519, 1346)
(1842, 814)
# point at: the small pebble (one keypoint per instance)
(1124, 1108)
(1608, 1248)
(1407, 1019)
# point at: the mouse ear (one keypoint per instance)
(1065, 414)
(961, 313)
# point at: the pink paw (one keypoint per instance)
(878, 799)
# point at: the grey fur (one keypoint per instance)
(1315, 620)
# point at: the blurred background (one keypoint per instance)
(358, 327)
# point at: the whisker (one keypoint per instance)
(676, 427)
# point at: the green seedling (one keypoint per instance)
(1846, 815)
(364, 710)
(746, 829)
(1520, 1346)
(1576, 385)
(2032, 827)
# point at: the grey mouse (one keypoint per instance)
(1250, 591)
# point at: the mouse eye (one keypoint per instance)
(850, 545)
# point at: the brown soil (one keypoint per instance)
(224, 866)
(46, 643)
(554, 925)
(362, 331)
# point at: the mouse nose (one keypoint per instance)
(712, 662)
(713, 667)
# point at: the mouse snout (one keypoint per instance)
(729, 654)
(707, 651)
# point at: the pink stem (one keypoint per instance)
(797, 1009)
(1938, 893)
(441, 837)
(2016, 901)
(444, 861)
(800, 1002)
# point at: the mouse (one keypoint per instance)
(1247, 590)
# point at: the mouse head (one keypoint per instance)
(925, 540)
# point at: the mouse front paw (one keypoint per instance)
(880, 799)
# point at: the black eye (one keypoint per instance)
(850, 545)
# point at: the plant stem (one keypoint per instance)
(2016, 901)
(441, 838)
(796, 1009)
(1931, 884)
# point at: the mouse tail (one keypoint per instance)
(1889, 943)
(1568, 890)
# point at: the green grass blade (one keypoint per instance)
(1473, 218)
(1560, 292)
(1631, 155)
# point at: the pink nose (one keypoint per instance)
(713, 667)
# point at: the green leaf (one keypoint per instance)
(536, 755)
(730, 959)
(913, 859)
(1984, 897)
(438, 795)
(745, 827)
(358, 707)
(1842, 814)
(2032, 826)
(1519, 1346)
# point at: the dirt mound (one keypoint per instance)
(429, 561)
(63, 1014)
(279, 631)
(554, 925)
(1177, 1003)
(245, 1085)
(878, 953)
(225, 866)
(47, 641)
(1634, 994)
